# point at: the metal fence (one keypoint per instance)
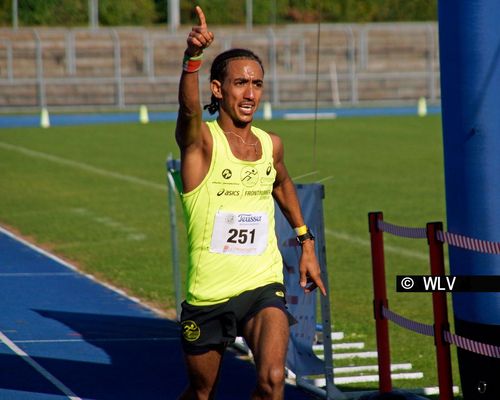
(332, 65)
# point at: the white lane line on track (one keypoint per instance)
(44, 341)
(35, 274)
(366, 243)
(46, 374)
(24, 355)
(81, 166)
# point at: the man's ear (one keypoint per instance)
(216, 88)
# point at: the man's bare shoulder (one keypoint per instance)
(275, 139)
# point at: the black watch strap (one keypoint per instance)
(306, 236)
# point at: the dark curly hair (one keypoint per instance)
(218, 70)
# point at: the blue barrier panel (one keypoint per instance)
(300, 358)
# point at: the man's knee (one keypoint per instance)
(272, 380)
(197, 393)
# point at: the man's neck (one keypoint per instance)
(226, 123)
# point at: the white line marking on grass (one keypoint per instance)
(143, 182)
(339, 346)
(304, 175)
(82, 166)
(99, 243)
(367, 378)
(46, 374)
(370, 368)
(325, 179)
(362, 354)
(425, 391)
(366, 243)
(132, 233)
(374, 378)
(343, 356)
(433, 390)
(353, 345)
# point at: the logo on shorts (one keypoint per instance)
(279, 293)
(190, 330)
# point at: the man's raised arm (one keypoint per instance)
(189, 119)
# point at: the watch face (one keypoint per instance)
(306, 236)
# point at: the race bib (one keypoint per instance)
(240, 233)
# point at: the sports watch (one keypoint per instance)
(306, 236)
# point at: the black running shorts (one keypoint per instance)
(206, 328)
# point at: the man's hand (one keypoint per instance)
(200, 37)
(310, 272)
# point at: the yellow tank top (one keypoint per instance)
(230, 224)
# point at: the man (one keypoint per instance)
(231, 171)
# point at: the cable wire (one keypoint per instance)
(316, 96)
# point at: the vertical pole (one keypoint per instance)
(42, 101)
(15, 14)
(380, 301)
(351, 60)
(173, 234)
(94, 14)
(249, 14)
(440, 309)
(173, 15)
(430, 63)
(332, 392)
(274, 68)
(120, 93)
(273, 13)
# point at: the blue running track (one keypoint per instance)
(17, 121)
(65, 336)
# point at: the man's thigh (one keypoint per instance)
(203, 369)
(267, 334)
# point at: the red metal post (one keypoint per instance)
(440, 308)
(380, 301)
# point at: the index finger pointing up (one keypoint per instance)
(201, 16)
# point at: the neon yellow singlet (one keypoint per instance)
(230, 223)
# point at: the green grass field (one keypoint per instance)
(97, 196)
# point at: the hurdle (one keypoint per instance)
(440, 329)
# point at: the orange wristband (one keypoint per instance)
(191, 64)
